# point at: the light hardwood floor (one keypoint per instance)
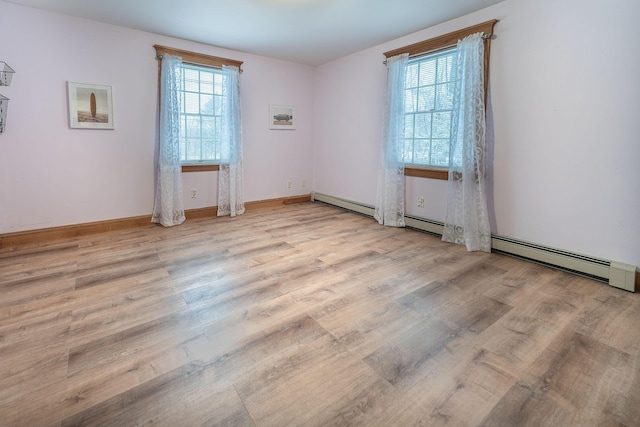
(306, 315)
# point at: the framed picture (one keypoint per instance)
(282, 117)
(90, 106)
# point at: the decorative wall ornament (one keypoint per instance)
(282, 116)
(90, 106)
(6, 74)
(4, 103)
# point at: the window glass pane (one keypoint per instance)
(217, 79)
(444, 97)
(193, 149)
(193, 127)
(407, 156)
(410, 100)
(218, 135)
(408, 126)
(191, 80)
(206, 104)
(427, 73)
(412, 76)
(422, 125)
(421, 151)
(207, 150)
(207, 126)
(206, 83)
(191, 103)
(183, 147)
(183, 127)
(426, 98)
(441, 125)
(217, 105)
(444, 68)
(440, 152)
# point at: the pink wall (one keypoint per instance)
(564, 97)
(51, 175)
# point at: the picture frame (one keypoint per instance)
(282, 116)
(90, 106)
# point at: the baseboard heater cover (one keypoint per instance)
(617, 274)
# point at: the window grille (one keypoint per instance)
(201, 114)
(429, 88)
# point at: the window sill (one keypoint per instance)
(432, 173)
(200, 168)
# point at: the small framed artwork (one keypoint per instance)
(90, 106)
(282, 116)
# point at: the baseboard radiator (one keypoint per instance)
(614, 273)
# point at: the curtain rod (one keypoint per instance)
(431, 52)
(159, 58)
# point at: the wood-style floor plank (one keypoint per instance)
(306, 315)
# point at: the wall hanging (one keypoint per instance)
(282, 116)
(6, 75)
(4, 102)
(90, 106)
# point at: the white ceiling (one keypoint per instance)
(305, 31)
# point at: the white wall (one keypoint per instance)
(51, 175)
(565, 99)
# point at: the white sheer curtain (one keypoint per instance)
(168, 209)
(467, 220)
(230, 187)
(389, 209)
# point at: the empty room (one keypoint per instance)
(319, 212)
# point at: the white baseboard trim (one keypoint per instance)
(617, 274)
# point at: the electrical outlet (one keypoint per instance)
(194, 194)
(304, 183)
(288, 184)
(421, 202)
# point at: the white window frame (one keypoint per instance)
(428, 96)
(197, 146)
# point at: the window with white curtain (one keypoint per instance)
(200, 93)
(429, 100)
(429, 88)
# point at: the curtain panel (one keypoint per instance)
(168, 208)
(389, 208)
(230, 183)
(467, 220)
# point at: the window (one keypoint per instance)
(201, 99)
(428, 109)
(200, 95)
(429, 100)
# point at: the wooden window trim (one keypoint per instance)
(196, 58)
(427, 172)
(199, 168)
(450, 40)
(439, 43)
(446, 40)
